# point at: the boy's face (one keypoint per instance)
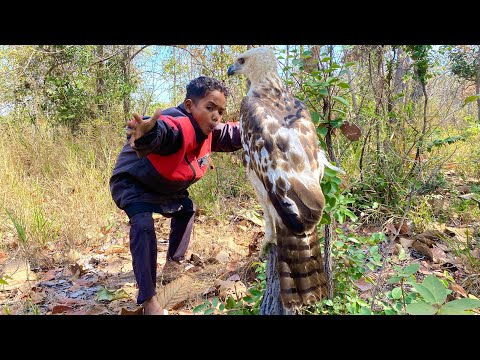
(208, 111)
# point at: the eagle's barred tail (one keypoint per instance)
(300, 269)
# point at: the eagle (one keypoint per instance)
(285, 165)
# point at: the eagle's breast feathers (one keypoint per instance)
(281, 147)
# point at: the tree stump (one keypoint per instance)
(271, 303)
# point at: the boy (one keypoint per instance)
(163, 156)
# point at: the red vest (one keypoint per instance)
(190, 162)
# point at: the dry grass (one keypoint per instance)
(55, 186)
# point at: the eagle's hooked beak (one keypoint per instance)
(231, 70)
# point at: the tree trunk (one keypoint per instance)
(477, 83)
(271, 303)
(126, 79)
(100, 88)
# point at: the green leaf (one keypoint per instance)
(426, 294)
(365, 311)
(459, 307)
(339, 216)
(394, 279)
(110, 295)
(326, 219)
(315, 117)
(343, 85)
(411, 269)
(231, 303)
(322, 92)
(255, 292)
(199, 308)
(351, 215)
(421, 308)
(248, 299)
(340, 99)
(471, 99)
(322, 131)
(330, 172)
(326, 187)
(215, 302)
(397, 293)
(337, 123)
(209, 311)
(3, 282)
(437, 288)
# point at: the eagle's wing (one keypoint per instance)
(281, 147)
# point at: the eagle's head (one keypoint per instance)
(255, 64)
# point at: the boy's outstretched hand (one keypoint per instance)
(138, 127)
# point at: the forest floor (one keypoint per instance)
(98, 278)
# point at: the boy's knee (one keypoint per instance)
(142, 221)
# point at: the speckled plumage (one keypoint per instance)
(285, 166)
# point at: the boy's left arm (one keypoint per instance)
(226, 137)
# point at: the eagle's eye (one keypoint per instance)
(241, 61)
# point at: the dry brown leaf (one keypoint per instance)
(115, 249)
(405, 228)
(73, 270)
(351, 131)
(97, 310)
(391, 229)
(424, 268)
(363, 285)
(428, 242)
(185, 312)
(433, 235)
(226, 288)
(442, 246)
(174, 292)
(113, 266)
(252, 216)
(231, 266)
(460, 233)
(37, 296)
(463, 189)
(138, 311)
(457, 288)
(59, 309)
(49, 275)
(423, 249)
(3, 257)
(406, 242)
(70, 301)
(76, 312)
(17, 273)
(439, 255)
(222, 256)
(476, 253)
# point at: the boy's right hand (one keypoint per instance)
(138, 127)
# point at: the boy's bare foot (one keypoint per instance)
(152, 307)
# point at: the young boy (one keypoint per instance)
(163, 156)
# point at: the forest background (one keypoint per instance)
(402, 121)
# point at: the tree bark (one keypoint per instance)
(271, 303)
(126, 79)
(100, 86)
(477, 83)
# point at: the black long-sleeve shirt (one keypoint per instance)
(137, 186)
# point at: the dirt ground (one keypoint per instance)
(99, 279)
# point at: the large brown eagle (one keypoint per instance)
(285, 166)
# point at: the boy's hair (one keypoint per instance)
(199, 87)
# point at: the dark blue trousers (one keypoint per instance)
(143, 246)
